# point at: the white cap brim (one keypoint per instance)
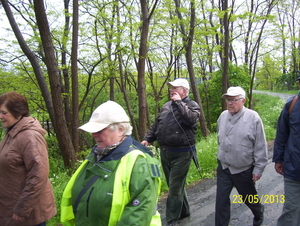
(180, 82)
(232, 94)
(93, 127)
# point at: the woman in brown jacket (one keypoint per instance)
(26, 195)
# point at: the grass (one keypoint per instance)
(268, 108)
(294, 92)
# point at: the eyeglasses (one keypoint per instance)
(175, 87)
(233, 100)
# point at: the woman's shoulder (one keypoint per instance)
(28, 125)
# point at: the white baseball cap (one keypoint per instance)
(107, 113)
(180, 82)
(235, 91)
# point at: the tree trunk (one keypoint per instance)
(225, 57)
(65, 71)
(188, 42)
(33, 60)
(141, 71)
(62, 133)
(74, 56)
(251, 56)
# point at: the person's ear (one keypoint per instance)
(121, 129)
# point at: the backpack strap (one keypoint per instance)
(293, 102)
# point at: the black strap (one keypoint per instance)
(82, 192)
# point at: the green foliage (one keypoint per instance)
(265, 77)
(286, 82)
(55, 158)
(211, 91)
(269, 108)
(59, 175)
(23, 83)
(206, 152)
(59, 182)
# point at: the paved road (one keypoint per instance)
(202, 198)
(282, 95)
(202, 201)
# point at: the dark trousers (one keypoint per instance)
(41, 224)
(245, 187)
(176, 166)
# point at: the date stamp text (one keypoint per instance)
(258, 199)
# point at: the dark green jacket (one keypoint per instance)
(93, 208)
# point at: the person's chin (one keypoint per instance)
(100, 146)
(231, 111)
(4, 125)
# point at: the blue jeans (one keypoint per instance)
(291, 209)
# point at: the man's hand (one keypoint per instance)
(279, 168)
(175, 96)
(18, 218)
(255, 177)
(145, 143)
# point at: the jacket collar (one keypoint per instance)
(120, 151)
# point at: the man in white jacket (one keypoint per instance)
(242, 156)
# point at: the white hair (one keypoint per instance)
(125, 125)
(242, 96)
(188, 91)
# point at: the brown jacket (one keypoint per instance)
(24, 185)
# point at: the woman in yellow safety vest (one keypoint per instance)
(119, 182)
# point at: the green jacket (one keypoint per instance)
(107, 200)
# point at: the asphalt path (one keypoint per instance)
(281, 95)
(202, 196)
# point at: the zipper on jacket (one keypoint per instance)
(101, 167)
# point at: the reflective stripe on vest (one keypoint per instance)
(121, 189)
(67, 217)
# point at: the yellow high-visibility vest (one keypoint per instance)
(121, 192)
(67, 217)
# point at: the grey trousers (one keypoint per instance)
(291, 209)
(176, 166)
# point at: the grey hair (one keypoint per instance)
(126, 126)
(188, 91)
(242, 96)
